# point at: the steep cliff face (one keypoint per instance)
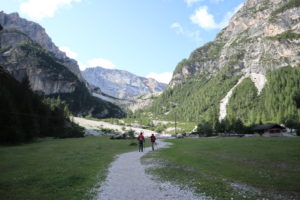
(262, 38)
(120, 83)
(22, 57)
(49, 75)
(263, 35)
(38, 34)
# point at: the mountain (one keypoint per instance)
(249, 72)
(33, 116)
(38, 34)
(49, 71)
(120, 83)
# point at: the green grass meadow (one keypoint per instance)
(233, 168)
(57, 169)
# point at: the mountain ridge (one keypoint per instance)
(261, 40)
(254, 23)
(38, 34)
(48, 74)
(121, 83)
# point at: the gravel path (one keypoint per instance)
(127, 180)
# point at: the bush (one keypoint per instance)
(205, 129)
(160, 128)
(120, 136)
(133, 144)
(107, 130)
(288, 5)
(131, 133)
(73, 131)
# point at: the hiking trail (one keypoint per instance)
(127, 180)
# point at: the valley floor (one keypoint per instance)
(127, 179)
(199, 168)
(59, 169)
(232, 168)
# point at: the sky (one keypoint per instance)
(145, 37)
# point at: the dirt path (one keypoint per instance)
(127, 180)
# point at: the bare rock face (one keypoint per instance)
(23, 58)
(48, 70)
(120, 83)
(38, 34)
(255, 41)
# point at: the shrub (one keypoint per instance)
(131, 133)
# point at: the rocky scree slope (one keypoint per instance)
(121, 84)
(262, 37)
(48, 74)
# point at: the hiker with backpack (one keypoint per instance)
(141, 140)
(153, 139)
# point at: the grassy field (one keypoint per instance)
(57, 169)
(233, 168)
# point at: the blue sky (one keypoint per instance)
(145, 37)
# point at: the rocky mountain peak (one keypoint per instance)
(120, 83)
(250, 72)
(26, 51)
(263, 35)
(38, 34)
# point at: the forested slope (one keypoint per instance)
(25, 115)
(251, 70)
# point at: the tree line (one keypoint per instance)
(199, 101)
(25, 116)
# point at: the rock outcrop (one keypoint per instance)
(121, 84)
(23, 58)
(38, 34)
(248, 44)
(262, 38)
(48, 70)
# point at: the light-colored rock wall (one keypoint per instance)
(247, 46)
(121, 84)
(38, 34)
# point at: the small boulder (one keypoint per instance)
(179, 136)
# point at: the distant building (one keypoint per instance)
(269, 130)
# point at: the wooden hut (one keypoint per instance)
(269, 130)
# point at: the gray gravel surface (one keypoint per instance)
(91, 124)
(127, 180)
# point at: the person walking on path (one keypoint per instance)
(141, 140)
(153, 139)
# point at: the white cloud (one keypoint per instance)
(162, 77)
(97, 62)
(39, 9)
(100, 62)
(205, 20)
(177, 27)
(195, 35)
(82, 66)
(69, 52)
(191, 2)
